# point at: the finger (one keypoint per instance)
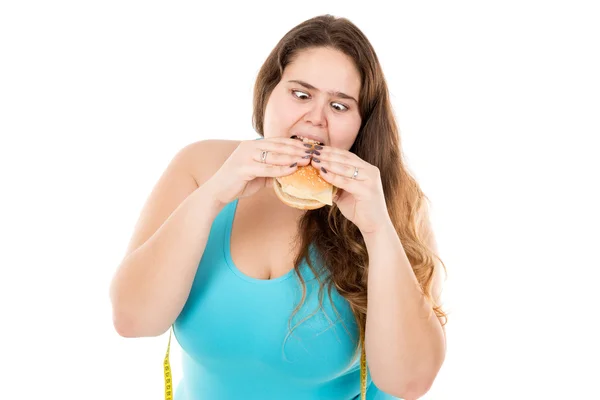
(341, 169)
(342, 163)
(273, 158)
(280, 144)
(339, 155)
(349, 185)
(268, 182)
(274, 171)
(337, 195)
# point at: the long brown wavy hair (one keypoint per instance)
(338, 241)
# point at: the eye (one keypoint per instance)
(339, 106)
(300, 95)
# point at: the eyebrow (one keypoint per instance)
(341, 95)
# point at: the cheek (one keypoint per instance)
(280, 116)
(344, 132)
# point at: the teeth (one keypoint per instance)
(306, 140)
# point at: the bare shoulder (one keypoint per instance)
(205, 157)
(188, 169)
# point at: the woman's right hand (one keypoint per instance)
(244, 172)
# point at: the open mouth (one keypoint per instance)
(306, 140)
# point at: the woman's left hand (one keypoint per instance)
(360, 195)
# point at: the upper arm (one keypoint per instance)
(173, 186)
(188, 169)
(428, 237)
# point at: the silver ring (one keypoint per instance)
(355, 174)
(263, 156)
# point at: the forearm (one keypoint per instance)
(153, 282)
(404, 339)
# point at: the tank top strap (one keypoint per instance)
(224, 221)
(219, 231)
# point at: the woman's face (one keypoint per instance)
(317, 98)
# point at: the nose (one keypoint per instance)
(316, 115)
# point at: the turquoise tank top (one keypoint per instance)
(232, 332)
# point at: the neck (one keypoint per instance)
(276, 208)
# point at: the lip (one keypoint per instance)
(309, 136)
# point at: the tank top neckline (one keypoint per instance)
(230, 215)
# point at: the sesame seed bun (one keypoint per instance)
(304, 189)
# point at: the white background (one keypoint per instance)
(498, 106)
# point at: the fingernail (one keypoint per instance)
(316, 152)
(316, 159)
(308, 156)
(307, 145)
(323, 169)
(293, 165)
(319, 147)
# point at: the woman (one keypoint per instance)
(268, 301)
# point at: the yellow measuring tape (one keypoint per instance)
(169, 378)
(167, 367)
(363, 371)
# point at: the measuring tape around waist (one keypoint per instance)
(169, 377)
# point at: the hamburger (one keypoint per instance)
(304, 189)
